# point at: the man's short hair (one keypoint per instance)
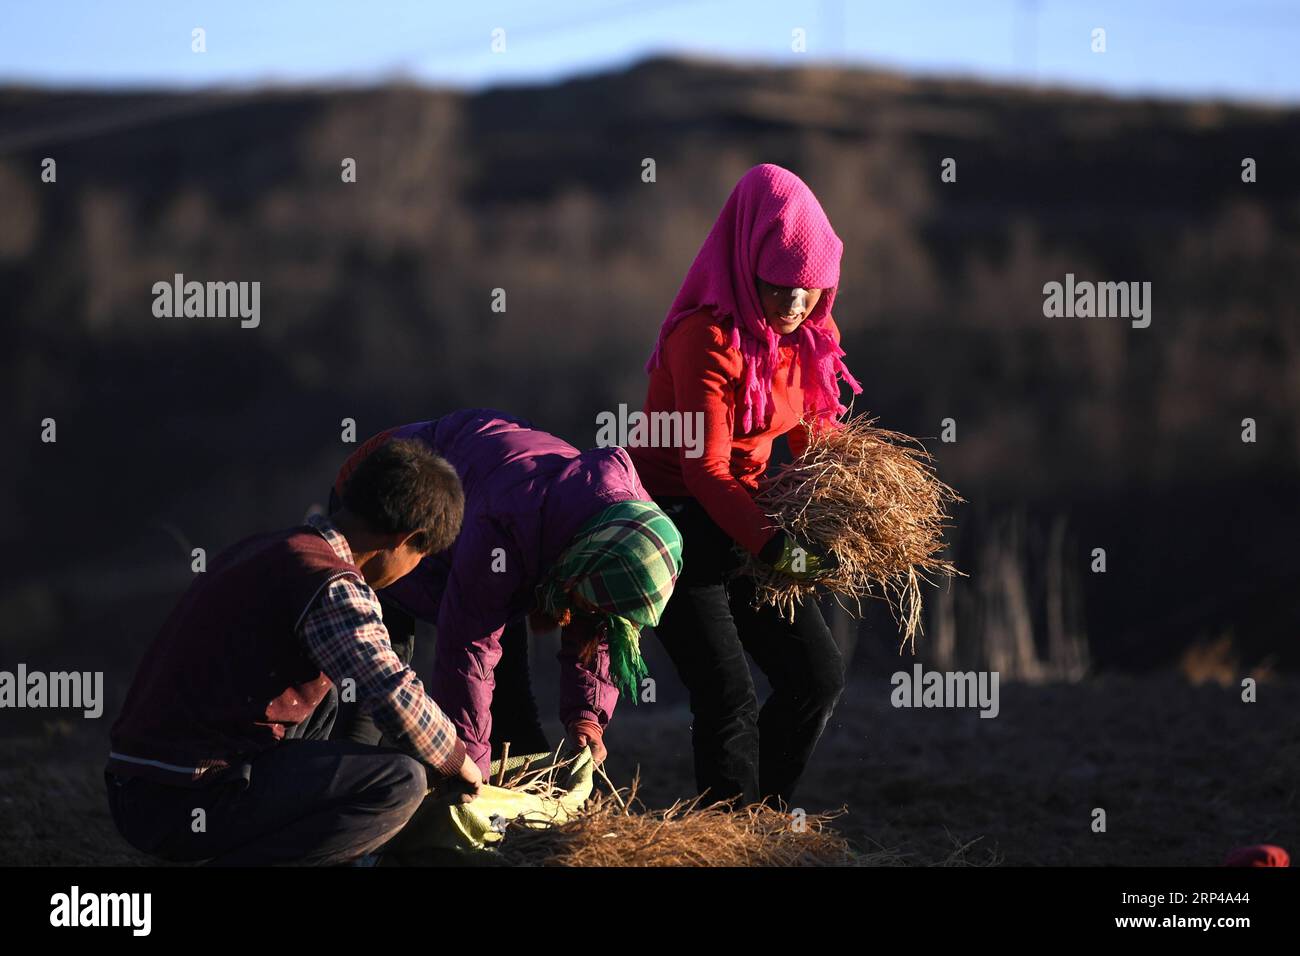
(402, 487)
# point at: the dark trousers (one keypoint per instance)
(306, 801)
(514, 709)
(707, 628)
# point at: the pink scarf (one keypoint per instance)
(773, 228)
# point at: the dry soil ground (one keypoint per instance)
(1184, 773)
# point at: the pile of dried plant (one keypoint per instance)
(870, 498)
(616, 830)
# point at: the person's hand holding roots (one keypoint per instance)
(588, 733)
(462, 788)
(788, 556)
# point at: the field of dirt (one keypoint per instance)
(1184, 773)
(1074, 435)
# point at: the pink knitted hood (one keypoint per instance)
(773, 228)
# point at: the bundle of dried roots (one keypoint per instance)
(870, 499)
(618, 831)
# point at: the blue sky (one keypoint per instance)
(1248, 49)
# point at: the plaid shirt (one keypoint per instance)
(345, 635)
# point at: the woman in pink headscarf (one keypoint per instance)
(749, 350)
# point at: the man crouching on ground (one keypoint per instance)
(221, 751)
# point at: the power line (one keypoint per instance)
(608, 13)
(177, 106)
(88, 126)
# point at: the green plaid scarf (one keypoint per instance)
(623, 562)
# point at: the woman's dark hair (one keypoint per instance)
(402, 487)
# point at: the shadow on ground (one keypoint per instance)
(1184, 773)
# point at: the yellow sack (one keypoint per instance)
(439, 827)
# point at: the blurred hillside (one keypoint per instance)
(1072, 433)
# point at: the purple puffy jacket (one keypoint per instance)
(526, 493)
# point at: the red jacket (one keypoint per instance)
(699, 373)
